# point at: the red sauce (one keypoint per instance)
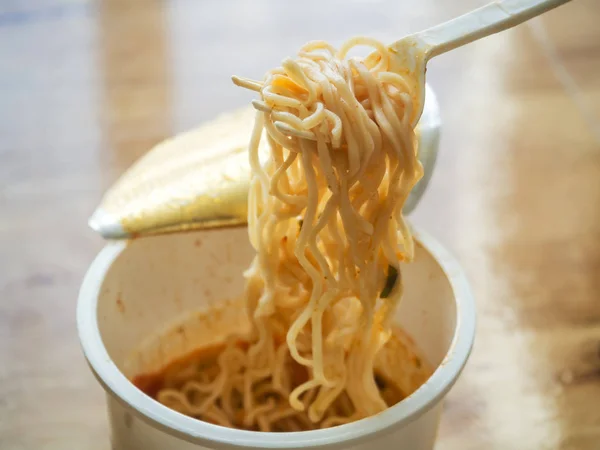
(205, 358)
(151, 383)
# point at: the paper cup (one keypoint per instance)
(138, 290)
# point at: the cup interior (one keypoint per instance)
(153, 302)
(141, 306)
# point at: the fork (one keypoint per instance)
(413, 52)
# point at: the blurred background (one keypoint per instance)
(86, 87)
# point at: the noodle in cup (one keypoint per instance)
(139, 308)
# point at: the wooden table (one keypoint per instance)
(87, 87)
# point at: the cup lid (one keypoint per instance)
(200, 179)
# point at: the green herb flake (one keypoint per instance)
(390, 282)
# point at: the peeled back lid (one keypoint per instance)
(199, 179)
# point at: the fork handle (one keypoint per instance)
(489, 19)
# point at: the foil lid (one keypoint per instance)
(200, 179)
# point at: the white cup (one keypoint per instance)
(135, 293)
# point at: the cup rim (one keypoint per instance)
(203, 433)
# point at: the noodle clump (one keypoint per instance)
(325, 218)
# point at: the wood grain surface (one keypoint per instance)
(87, 87)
